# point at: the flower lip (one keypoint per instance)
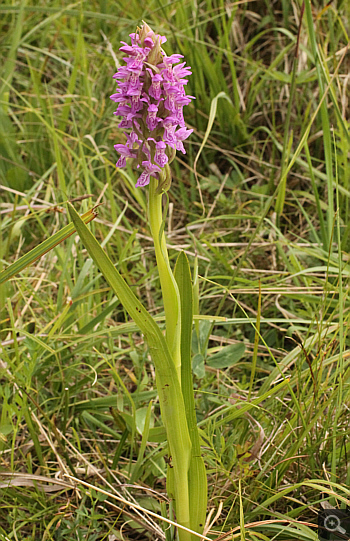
(150, 170)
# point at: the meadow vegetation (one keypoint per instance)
(262, 197)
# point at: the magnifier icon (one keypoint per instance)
(332, 524)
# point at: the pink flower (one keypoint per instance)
(152, 118)
(150, 96)
(181, 135)
(155, 89)
(144, 178)
(160, 157)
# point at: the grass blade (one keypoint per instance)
(43, 248)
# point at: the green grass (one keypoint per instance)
(264, 203)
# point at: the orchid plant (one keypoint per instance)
(150, 97)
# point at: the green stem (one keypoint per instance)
(177, 478)
(168, 284)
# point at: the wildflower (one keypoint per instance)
(155, 90)
(170, 124)
(180, 136)
(149, 170)
(151, 97)
(152, 118)
(160, 156)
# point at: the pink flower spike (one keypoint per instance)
(150, 98)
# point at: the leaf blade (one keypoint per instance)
(197, 479)
(168, 385)
(43, 248)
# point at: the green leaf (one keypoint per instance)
(228, 356)
(140, 417)
(44, 247)
(198, 366)
(184, 283)
(197, 479)
(170, 395)
(197, 482)
(157, 434)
